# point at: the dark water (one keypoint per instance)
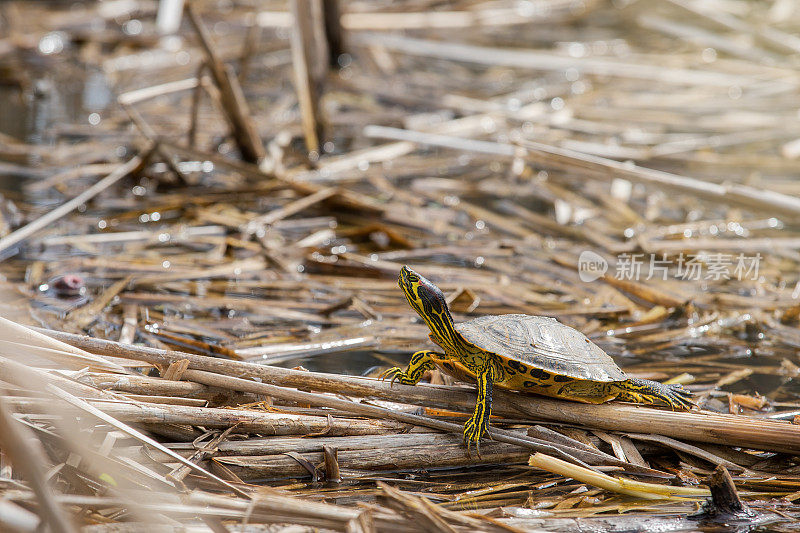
(353, 363)
(45, 100)
(51, 92)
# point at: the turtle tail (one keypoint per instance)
(646, 391)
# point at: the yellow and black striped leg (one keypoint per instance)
(420, 362)
(652, 392)
(478, 423)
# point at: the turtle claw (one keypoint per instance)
(420, 362)
(391, 372)
(680, 399)
(397, 374)
(474, 429)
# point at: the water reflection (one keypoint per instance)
(48, 97)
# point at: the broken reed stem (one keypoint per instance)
(231, 95)
(306, 59)
(281, 445)
(726, 502)
(145, 385)
(648, 491)
(702, 427)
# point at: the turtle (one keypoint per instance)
(519, 352)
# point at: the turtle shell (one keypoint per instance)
(544, 343)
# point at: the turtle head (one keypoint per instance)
(427, 300)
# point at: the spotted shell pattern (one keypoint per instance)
(544, 343)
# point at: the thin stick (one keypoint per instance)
(132, 165)
(687, 448)
(307, 79)
(289, 209)
(140, 95)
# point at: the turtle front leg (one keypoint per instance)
(478, 424)
(646, 391)
(420, 362)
